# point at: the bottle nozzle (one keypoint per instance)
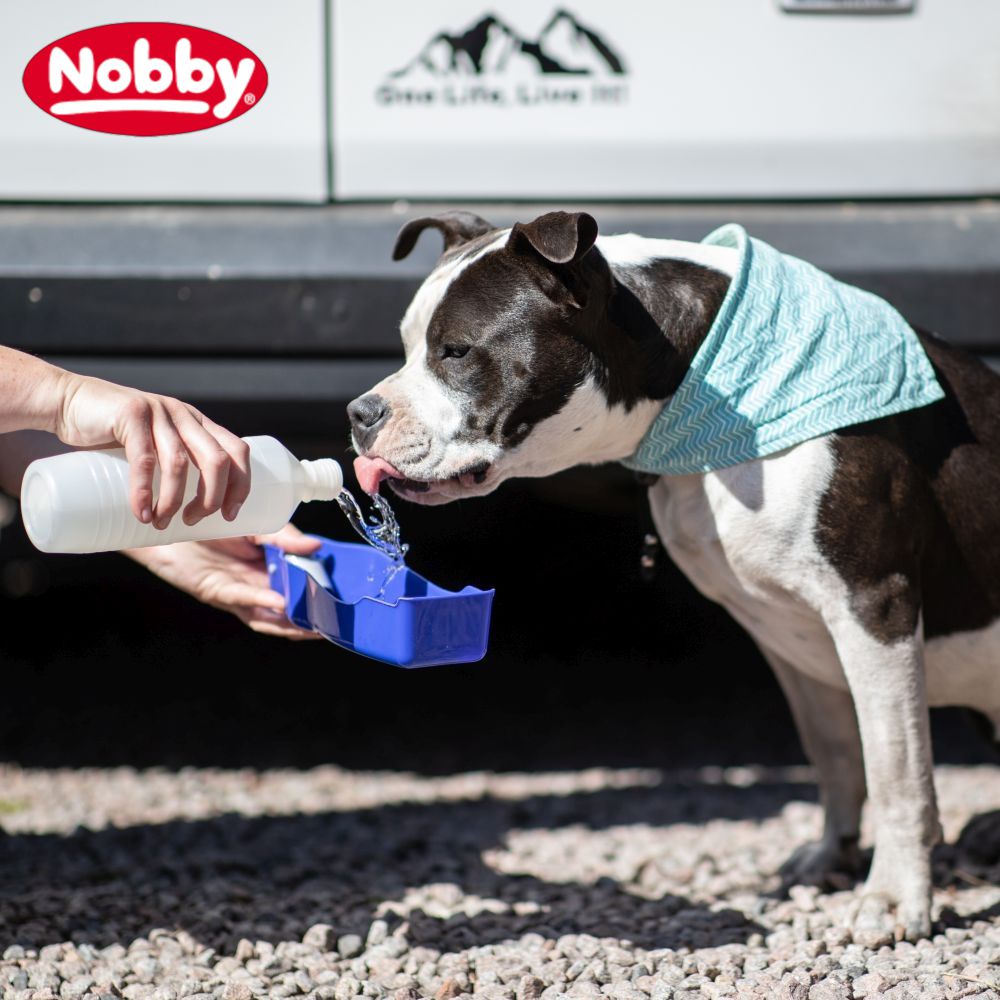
(324, 479)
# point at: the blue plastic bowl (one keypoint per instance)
(413, 624)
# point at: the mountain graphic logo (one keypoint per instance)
(490, 46)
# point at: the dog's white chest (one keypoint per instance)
(744, 537)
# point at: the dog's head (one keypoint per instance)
(517, 355)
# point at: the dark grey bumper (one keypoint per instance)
(269, 304)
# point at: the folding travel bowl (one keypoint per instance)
(414, 623)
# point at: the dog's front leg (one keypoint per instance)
(825, 719)
(887, 682)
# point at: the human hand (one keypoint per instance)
(230, 574)
(156, 432)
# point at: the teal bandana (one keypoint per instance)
(792, 354)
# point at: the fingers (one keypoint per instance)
(267, 623)
(159, 432)
(224, 462)
(290, 539)
(136, 436)
(172, 458)
(144, 428)
(212, 461)
(238, 487)
(172, 435)
(283, 631)
(259, 607)
(252, 593)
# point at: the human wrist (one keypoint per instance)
(33, 392)
(55, 388)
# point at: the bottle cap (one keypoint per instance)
(324, 479)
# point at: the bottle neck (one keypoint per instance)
(321, 479)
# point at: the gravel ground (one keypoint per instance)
(629, 884)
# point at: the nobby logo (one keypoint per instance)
(145, 78)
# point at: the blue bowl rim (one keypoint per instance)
(468, 591)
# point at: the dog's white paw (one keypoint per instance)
(825, 863)
(878, 920)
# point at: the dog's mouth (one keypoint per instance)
(372, 471)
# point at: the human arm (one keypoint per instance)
(43, 409)
(227, 574)
(157, 432)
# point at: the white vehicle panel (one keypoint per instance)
(717, 98)
(275, 152)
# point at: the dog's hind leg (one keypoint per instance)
(824, 717)
(888, 685)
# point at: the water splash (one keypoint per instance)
(380, 530)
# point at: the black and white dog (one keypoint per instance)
(864, 563)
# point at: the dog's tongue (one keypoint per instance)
(371, 471)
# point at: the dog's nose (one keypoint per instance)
(367, 411)
(367, 414)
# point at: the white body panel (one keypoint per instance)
(720, 98)
(275, 152)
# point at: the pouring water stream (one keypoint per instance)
(380, 530)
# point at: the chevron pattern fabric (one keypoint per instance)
(792, 354)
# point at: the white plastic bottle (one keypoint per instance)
(79, 502)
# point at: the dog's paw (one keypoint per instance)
(877, 920)
(824, 863)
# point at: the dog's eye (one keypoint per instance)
(454, 350)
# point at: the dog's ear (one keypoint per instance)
(560, 237)
(456, 228)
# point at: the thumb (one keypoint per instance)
(290, 539)
(247, 593)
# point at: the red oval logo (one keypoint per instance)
(145, 78)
